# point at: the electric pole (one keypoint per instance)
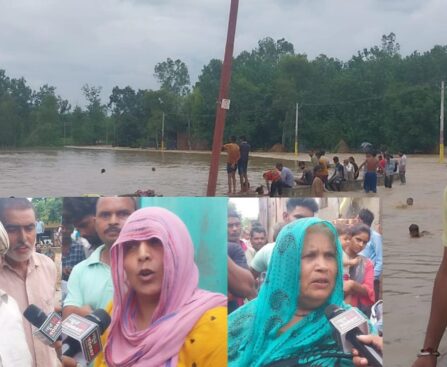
(441, 124)
(223, 103)
(296, 131)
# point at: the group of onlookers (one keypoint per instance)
(317, 174)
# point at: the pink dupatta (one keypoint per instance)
(181, 303)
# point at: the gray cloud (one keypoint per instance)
(118, 42)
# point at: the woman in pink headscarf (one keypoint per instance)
(160, 317)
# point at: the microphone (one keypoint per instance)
(84, 334)
(347, 325)
(48, 328)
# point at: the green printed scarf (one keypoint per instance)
(253, 338)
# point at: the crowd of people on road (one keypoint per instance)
(322, 176)
(318, 173)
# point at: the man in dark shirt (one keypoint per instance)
(337, 177)
(242, 164)
(72, 254)
(241, 283)
(307, 177)
(356, 167)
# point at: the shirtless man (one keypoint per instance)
(370, 178)
(234, 154)
(317, 188)
(324, 163)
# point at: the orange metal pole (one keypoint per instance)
(221, 109)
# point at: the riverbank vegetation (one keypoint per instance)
(377, 96)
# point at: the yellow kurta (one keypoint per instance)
(205, 345)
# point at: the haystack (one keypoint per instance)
(277, 148)
(342, 147)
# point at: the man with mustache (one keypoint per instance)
(90, 283)
(25, 275)
(13, 347)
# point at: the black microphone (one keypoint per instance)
(347, 325)
(84, 334)
(48, 328)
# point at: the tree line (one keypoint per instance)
(377, 96)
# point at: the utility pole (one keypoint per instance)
(441, 124)
(163, 132)
(189, 133)
(296, 131)
(223, 104)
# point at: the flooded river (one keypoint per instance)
(72, 172)
(410, 265)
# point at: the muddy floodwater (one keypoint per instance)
(74, 172)
(410, 265)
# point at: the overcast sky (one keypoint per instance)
(67, 43)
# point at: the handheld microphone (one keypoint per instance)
(84, 334)
(48, 328)
(347, 325)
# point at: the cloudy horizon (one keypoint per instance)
(70, 43)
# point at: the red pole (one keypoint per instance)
(221, 110)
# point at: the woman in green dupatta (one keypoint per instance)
(286, 324)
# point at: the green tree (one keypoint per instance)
(15, 109)
(81, 130)
(46, 129)
(95, 115)
(48, 209)
(377, 95)
(9, 123)
(173, 76)
(204, 100)
(129, 115)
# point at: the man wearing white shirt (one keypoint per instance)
(349, 170)
(13, 347)
(25, 275)
(402, 168)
